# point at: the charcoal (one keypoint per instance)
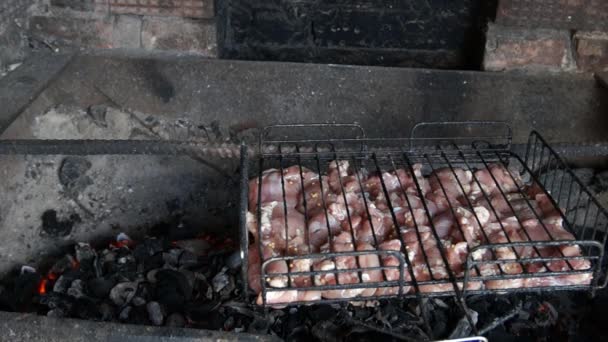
(26, 285)
(76, 289)
(55, 300)
(301, 333)
(152, 262)
(124, 313)
(363, 313)
(171, 277)
(138, 301)
(199, 310)
(107, 256)
(151, 275)
(229, 323)
(123, 264)
(326, 331)
(233, 261)
(438, 317)
(62, 284)
(123, 293)
(171, 258)
(220, 281)
(156, 283)
(259, 325)
(463, 327)
(84, 252)
(155, 313)
(172, 289)
(84, 308)
(100, 287)
(63, 264)
(197, 247)
(106, 312)
(241, 308)
(125, 260)
(546, 315)
(293, 319)
(56, 313)
(321, 312)
(190, 276)
(147, 248)
(187, 259)
(175, 320)
(367, 332)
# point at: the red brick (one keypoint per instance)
(168, 8)
(558, 14)
(510, 48)
(83, 5)
(197, 36)
(591, 51)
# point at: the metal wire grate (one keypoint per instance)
(567, 256)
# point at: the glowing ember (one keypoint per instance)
(122, 243)
(42, 286)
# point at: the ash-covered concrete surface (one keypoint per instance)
(17, 327)
(130, 95)
(50, 202)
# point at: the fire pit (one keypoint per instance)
(156, 265)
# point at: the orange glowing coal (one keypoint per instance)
(122, 243)
(42, 286)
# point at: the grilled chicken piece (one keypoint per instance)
(277, 184)
(374, 227)
(392, 274)
(312, 199)
(501, 206)
(451, 180)
(279, 231)
(493, 179)
(369, 261)
(338, 169)
(469, 224)
(302, 213)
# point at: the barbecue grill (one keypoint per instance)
(467, 145)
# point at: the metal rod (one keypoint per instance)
(243, 219)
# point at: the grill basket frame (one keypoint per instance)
(475, 145)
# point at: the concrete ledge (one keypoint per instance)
(19, 88)
(19, 327)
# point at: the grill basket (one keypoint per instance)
(431, 146)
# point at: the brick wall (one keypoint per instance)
(549, 35)
(180, 25)
(12, 24)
